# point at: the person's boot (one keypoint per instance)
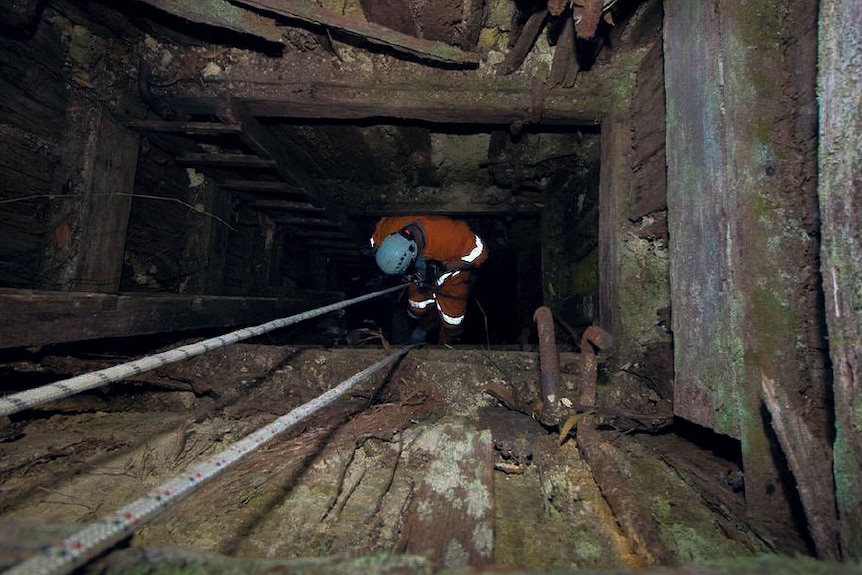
(449, 336)
(420, 333)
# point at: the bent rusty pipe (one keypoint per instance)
(549, 366)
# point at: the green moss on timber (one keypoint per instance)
(585, 274)
(777, 565)
(726, 401)
(763, 131)
(178, 562)
(760, 23)
(760, 28)
(848, 490)
(626, 81)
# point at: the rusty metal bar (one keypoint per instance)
(549, 366)
(588, 362)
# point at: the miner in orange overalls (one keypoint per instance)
(437, 253)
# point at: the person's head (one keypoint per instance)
(396, 252)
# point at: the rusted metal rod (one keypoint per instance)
(549, 366)
(589, 361)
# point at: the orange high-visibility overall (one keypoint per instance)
(446, 240)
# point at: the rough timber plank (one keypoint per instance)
(221, 14)
(840, 190)
(450, 520)
(226, 160)
(88, 224)
(743, 264)
(196, 128)
(379, 35)
(259, 186)
(33, 318)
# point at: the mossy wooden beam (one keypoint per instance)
(37, 318)
(840, 192)
(221, 14)
(373, 33)
(743, 263)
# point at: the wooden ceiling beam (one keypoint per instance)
(465, 210)
(334, 245)
(300, 222)
(191, 128)
(262, 186)
(447, 105)
(226, 161)
(285, 206)
(336, 236)
(221, 14)
(260, 140)
(372, 33)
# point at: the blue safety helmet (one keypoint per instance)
(396, 252)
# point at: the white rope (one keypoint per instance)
(60, 389)
(83, 546)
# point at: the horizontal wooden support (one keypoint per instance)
(331, 235)
(37, 318)
(226, 160)
(253, 186)
(221, 14)
(299, 222)
(333, 245)
(446, 104)
(368, 31)
(451, 210)
(195, 128)
(346, 258)
(285, 206)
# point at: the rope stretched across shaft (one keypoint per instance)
(58, 390)
(77, 549)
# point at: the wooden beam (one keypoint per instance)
(372, 33)
(335, 245)
(840, 193)
(448, 103)
(260, 139)
(194, 128)
(37, 318)
(226, 160)
(301, 222)
(524, 44)
(221, 14)
(253, 186)
(451, 210)
(438, 520)
(451, 106)
(88, 223)
(203, 263)
(332, 235)
(285, 206)
(724, 297)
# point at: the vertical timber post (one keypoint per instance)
(613, 191)
(205, 250)
(743, 257)
(90, 216)
(840, 191)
